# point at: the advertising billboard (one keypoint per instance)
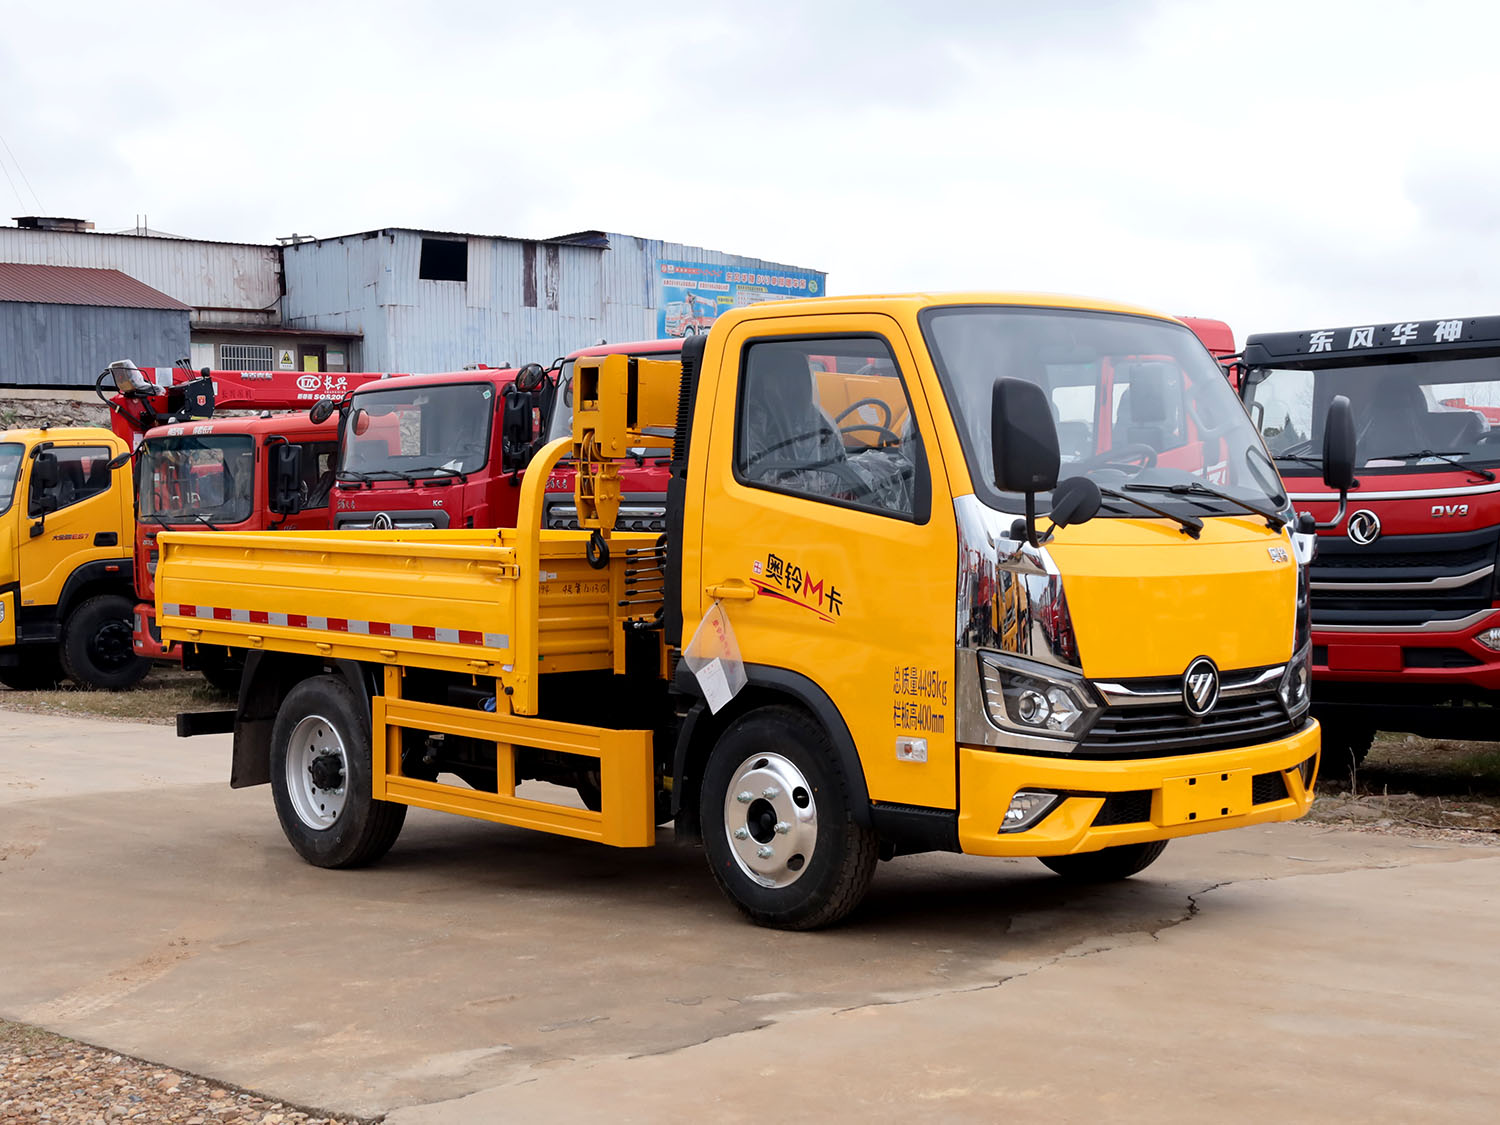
(691, 295)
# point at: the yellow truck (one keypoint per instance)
(67, 531)
(877, 624)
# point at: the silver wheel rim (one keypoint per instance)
(771, 820)
(315, 753)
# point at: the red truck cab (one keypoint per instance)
(1405, 607)
(223, 474)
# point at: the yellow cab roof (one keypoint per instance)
(912, 303)
(59, 433)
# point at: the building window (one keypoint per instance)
(444, 260)
(246, 357)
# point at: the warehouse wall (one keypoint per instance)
(68, 345)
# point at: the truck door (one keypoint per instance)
(83, 525)
(828, 532)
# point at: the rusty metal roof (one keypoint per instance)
(72, 285)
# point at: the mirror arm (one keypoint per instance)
(1338, 516)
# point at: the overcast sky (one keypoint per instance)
(1276, 164)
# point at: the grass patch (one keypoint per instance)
(157, 699)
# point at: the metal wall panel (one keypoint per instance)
(206, 275)
(583, 294)
(68, 345)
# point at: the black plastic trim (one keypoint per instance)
(916, 828)
(193, 723)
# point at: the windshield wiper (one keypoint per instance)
(366, 478)
(1191, 525)
(1197, 488)
(1483, 474)
(1315, 462)
(204, 520)
(413, 475)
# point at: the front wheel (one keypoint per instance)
(39, 672)
(778, 823)
(321, 777)
(1107, 865)
(96, 645)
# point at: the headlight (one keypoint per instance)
(1296, 683)
(1035, 699)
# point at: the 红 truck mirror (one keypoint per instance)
(286, 480)
(1338, 453)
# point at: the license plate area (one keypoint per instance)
(1205, 796)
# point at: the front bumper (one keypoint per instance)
(146, 639)
(989, 780)
(1450, 657)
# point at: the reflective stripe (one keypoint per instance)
(337, 625)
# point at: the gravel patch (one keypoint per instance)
(46, 1078)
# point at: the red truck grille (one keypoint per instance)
(1403, 579)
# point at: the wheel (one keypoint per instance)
(221, 668)
(320, 777)
(1106, 866)
(40, 672)
(778, 823)
(1345, 745)
(96, 650)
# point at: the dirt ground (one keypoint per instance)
(166, 691)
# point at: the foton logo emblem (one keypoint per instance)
(1441, 510)
(308, 383)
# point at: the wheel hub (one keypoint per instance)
(317, 770)
(771, 820)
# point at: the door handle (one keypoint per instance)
(731, 591)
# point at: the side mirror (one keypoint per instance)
(1075, 500)
(518, 425)
(1024, 436)
(361, 423)
(1338, 454)
(322, 410)
(45, 475)
(286, 480)
(120, 460)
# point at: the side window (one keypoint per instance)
(830, 419)
(318, 463)
(82, 472)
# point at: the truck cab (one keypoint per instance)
(65, 560)
(274, 472)
(1405, 610)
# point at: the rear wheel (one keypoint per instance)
(778, 823)
(96, 645)
(1108, 865)
(40, 672)
(321, 777)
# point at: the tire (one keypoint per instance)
(96, 650)
(773, 783)
(221, 668)
(40, 672)
(320, 777)
(1345, 745)
(1108, 865)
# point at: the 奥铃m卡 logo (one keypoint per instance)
(1364, 527)
(1200, 686)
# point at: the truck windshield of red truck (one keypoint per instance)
(201, 479)
(1408, 417)
(440, 430)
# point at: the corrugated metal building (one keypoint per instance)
(58, 323)
(436, 301)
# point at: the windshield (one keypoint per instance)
(1407, 416)
(418, 430)
(1140, 406)
(10, 471)
(561, 425)
(197, 479)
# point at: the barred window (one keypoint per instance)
(246, 357)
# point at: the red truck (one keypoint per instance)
(1405, 605)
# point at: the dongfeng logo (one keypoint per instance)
(1200, 686)
(1364, 527)
(381, 522)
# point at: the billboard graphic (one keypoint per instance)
(691, 295)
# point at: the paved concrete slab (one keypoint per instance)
(481, 971)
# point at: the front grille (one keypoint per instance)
(1267, 787)
(1243, 716)
(1344, 571)
(1433, 657)
(1133, 807)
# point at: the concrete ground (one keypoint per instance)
(481, 973)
